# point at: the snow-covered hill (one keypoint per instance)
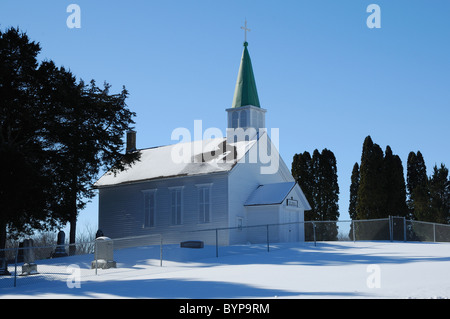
(330, 270)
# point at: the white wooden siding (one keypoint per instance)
(122, 208)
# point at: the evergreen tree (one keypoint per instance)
(328, 183)
(354, 185)
(317, 175)
(328, 196)
(316, 187)
(86, 131)
(417, 186)
(416, 172)
(380, 190)
(371, 193)
(439, 186)
(303, 174)
(55, 136)
(24, 199)
(395, 188)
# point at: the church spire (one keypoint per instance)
(246, 111)
(245, 92)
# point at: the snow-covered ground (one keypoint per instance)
(329, 270)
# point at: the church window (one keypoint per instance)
(243, 119)
(149, 207)
(235, 120)
(204, 203)
(176, 201)
(258, 120)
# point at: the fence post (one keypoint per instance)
(95, 253)
(434, 232)
(217, 243)
(353, 230)
(15, 267)
(160, 250)
(267, 237)
(390, 228)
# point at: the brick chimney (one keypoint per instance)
(131, 141)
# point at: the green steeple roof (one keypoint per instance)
(245, 92)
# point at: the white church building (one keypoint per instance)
(228, 183)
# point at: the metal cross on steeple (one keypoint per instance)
(245, 29)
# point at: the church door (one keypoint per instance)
(289, 227)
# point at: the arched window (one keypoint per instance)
(243, 119)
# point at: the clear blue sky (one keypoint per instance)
(326, 79)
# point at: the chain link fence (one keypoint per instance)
(24, 264)
(27, 265)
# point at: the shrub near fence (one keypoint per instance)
(153, 250)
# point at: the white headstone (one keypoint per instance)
(104, 253)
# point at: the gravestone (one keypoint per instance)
(104, 254)
(60, 250)
(29, 267)
(99, 233)
(4, 267)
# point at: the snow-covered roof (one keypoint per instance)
(181, 159)
(270, 194)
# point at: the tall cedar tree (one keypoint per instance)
(439, 186)
(328, 195)
(317, 175)
(416, 172)
(316, 187)
(25, 179)
(328, 183)
(395, 185)
(417, 186)
(354, 185)
(381, 192)
(303, 174)
(371, 192)
(428, 198)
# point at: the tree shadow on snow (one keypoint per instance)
(324, 254)
(185, 289)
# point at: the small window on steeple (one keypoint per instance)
(235, 120)
(243, 119)
(258, 120)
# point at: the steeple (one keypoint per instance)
(246, 112)
(245, 92)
